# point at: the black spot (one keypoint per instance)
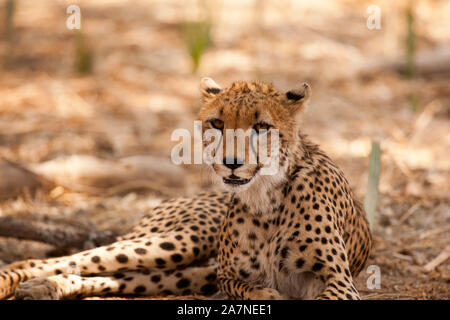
(167, 246)
(302, 248)
(318, 218)
(284, 252)
(155, 278)
(95, 259)
(293, 199)
(300, 262)
(122, 258)
(208, 289)
(194, 238)
(317, 266)
(196, 251)
(176, 257)
(244, 273)
(140, 251)
(160, 261)
(167, 292)
(139, 289)
(211, 277)
(183, 283)
(316, 206)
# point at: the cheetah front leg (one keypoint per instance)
(142, 282)
(165, 251)
(330, 263)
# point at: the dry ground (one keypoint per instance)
(142, 88)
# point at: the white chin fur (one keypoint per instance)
(256, 196)
(255, 192)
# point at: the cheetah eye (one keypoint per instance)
(216, 124)
(261, 126)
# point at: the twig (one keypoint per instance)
(424, 119)
(403, 257)
(444, 255)
(434, 231)
(386, 295)
(408, 213)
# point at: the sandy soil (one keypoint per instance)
(142, 88)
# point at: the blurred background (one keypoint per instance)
(86, 115)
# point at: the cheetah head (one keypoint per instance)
(261, 112)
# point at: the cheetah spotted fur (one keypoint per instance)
(296, 234)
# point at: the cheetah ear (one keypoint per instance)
(209, 88)
(296, 99)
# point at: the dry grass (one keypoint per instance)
(142, 87)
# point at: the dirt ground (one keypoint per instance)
(58, 122)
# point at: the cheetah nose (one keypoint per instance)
(233, 163)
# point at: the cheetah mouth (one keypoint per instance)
(235, 180)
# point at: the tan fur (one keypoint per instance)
(266, 233)
(299, 233)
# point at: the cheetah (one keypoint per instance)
(298, 233)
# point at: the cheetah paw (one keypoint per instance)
(268, 294)
(37, 289)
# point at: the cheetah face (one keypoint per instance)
(252, 128)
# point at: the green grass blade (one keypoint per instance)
(10, 8)
(371, 199)
(84, 56)
(197, 36)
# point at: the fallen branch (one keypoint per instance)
(93, 176)
(57, 233)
